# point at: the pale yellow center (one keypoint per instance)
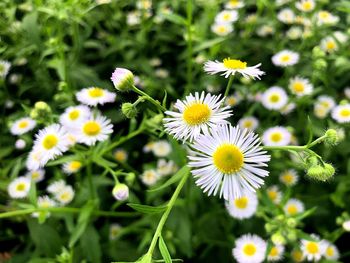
(75, 165)
(285, 58)
(228, 158)
(247, 124)
(345, 113)
(274, 98)
(120, 156)
(297, 255)
(196, 113)
(21, 187)
(249, 249)
(276, 137)
(324, 15)
(226, 16)
(312, 247)
(91, 128)
(288, 178)
(222, 29)
(331, 45)
(74, 114)
(298, 87)
(35, 175)
(272, 195)
(231, 101)
(50, 141)
(242, 202)
(273, 252)
(96, 92)
(292, 209)
(65, 196)
(234, 64)
(234, 3)
(23, 124)
(307, 5)
(330, 251)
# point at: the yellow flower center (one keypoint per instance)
(345, 113)
(50, 141)
(312, 247)
(23, 124)
(249, 249)
(273, 252)
(65, 196)
(196, 113)
(307, 6)
(21, 187)
(331, 45)
(35, 175)
(234, 3)
(247, 124)
(272, 195)
(285, 58)
(330, 251)
(120, 156)
(234, 63)
(91, 128)
(288, 178)
(325, 104)
(242, 202)
(324, 15)
(292, 209)
(276, 137)
(298, 87)
(297, 255)
(231, 101)
(74, 114)
(228, 158)
(226, 16)
(274, 98)
(74, 165)
(222, 29)
(95, 92)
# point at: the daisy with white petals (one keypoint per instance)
(243, 207)
(4, 68)
(305, 5)
(289, 177)
(300, 86)
(230, 67)
(36, 175)
(274, 194)
(286, 16)
(293, 207)
(226, 16)
(93, 96)
(276, 253)
(341, 113)
(196, 114)
(22, 126)
(285, 58)
(19, 187)
(313, 250)
(71, 167)
(274, 98)
(65, 195)
(228, 162)
(249, 249)
(150, 177)
(234, 4)
(94, 129)
(72, 116)
(222, 29)
(332, 252)
(249, 122)
(277, 136)
(326, 18)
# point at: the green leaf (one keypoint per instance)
(176, 19)
(32, 193)
(164, 250)
(90, 245)
(208, 44)
(63, 160)
(146, 209)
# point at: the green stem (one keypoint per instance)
(285, 148)
(149, 98)
(90, 181)
(189, 48)
(316, 141)
(229, 84)
(166, 214)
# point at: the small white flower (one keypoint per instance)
(341, 113)
(329, 44)
(93, 96)
(234, 4)
(243, 207)
(289, 177)
(114, 231)
(165, 168)
(226, 16)
(22, 126)
(313, 250)
(293, 207)
(56, 186)
(161, 148)
(326, 18)
(19, 187)
(265, 30)
(326, 101)
(276, 136)
(20, 144)
(65, 195)
(274, 194)
(120, 155)
(230, 67)
(4, 68)
(288, 108)
(133, 18)
(94, 129)
(34, 159)
(150, 177)
(346, 225)
(72, 116)
(161, 73)
(300, 86)
(297, 255)
(249, 122)
(249, 249)
(276, 253)
(44, 202)
(196, 114)
(320, 111)
(332, 252)
(121, 192)
(233, 100)
(294, 32)
(286, 16)
(305, 5)
(71, 167)
(285, 58)
(36, 175)
(228, 162)
(274, 98)
(222, 29)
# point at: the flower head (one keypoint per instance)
(243, 207)
(276, 253)
(19, 187)
(293, 207)
(285, 58)
(300, 86)
(71, 167)
(276, 136)
(93, 96)
(305, 5)
(94, 129)
(274, 98)
(249, 122)
(341, 113)
(36, 175)
(22, 126)
(226, 16)
(222, 29)
(120, 192)
(313, 250)
(4, 68)
(274, 194)
(249, 248)
(289, 177)
(74, 115)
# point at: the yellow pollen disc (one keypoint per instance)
(74, 114)
(272, 195)
(247, 124)
(234, 63)
(273, 252)
(91, 128)
(288, 178)
(242, 202)
(312, 247)
(227, 17)
(298, 87)
(292, 209)
(330, 45)
(307, 6)
(274, 98)
(285, 58)
(196, 113)
(234, 2)
(325, 104)
(23, 124)
(222, 29)
(95, 92)
(35, 175)
(324, 14)
(50, 141)
(249, 249)
(276, 137)
(228, 158)
(120, 156)
(64, 196)
(231, 101)
(75, 165)
(20, 187)
(345, 113)
(330, 251)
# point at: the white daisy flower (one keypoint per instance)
(276, 136)
(50, 142)
(93, 96)
(114, 231)
(293, 207)
(341, 113)
(226, 16)
(249, 249)
(274, 194)
(286, 16)
(276, 253)
(20, 144)
(320, 111)
(222, 29)
(133, 18)
(249, 122)
(150, 177)
(313, 250)
(234, 4)
(294, 32)
(340, 36)
(148, 147)
(326, 18)
(22, 126)
(36, 175)
(288, 108)
(65, 195)
(300, 86)
(161, 148)
(44, 202)
(265, 30)
(233, 100)
(72, 116)
(120, 155)
(332, 252)
(19, 187)
(289, 177)
(230, 67)
(305, 5)
(229, 160)
(326, 101)
(94, 129)
(4, 68)
(346, 225)
(285, 58)
(243, 207)
(34, 159)
(196, 114)
(164, 167)
(56, 186)
(274, 98)
(71, 167)
(329, 44)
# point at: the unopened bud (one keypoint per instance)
(121, 192)
(277, 238)
(129, 110)
(317, 52)
(291, 222)
(122, 79)
(321, 172)
(130, 178)
(331, 137)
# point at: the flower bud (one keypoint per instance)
(291, 222)
(121, 192)
(122, 79)
(277, 238)
(41, 111)
(321, 172)
(331, 137)
(346, 225)
(130, 178)
(292, 236)
(129, 110)
(317, 52)
(320, 64)
(269, 227)
(311, 161)
(20, 144)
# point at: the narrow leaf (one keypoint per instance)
(164, 250)
(146, 209)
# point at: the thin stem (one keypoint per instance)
(316, 141)
(189, 48)
(149, 98)
(166, 214)
(90, 181)
(285, 148)
(229, 84)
